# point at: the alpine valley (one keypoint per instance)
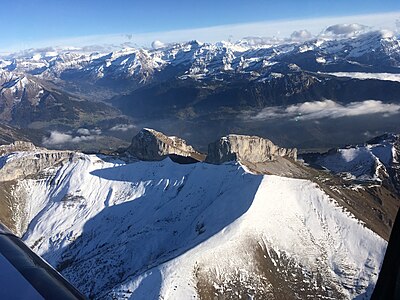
(293, 92)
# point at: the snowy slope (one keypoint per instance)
(368, 162)
(316, 235)
(14, 88)
(150, 230)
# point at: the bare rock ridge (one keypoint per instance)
(245, 148)
(17, 146)
(150, 144)
(32, 161)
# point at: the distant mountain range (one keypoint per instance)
(220, 88)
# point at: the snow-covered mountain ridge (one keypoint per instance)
(158, 229)
(370, 51)
(375, 161)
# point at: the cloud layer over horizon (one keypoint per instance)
(327, 109)
(283, 29)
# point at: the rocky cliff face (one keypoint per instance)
(252, 149)
(22, 162)
(21, 159)
(150, 144)
(17, 146)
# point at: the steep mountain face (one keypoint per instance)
(252, 149)
(163, 230)
(32, 160)
(150, 144)
(18, 161)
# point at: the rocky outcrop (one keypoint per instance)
(22, 159)
(17, 146)
(150, 144)
(246, 148)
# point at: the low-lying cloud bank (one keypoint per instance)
(363, 75)
(82, 134)
(327, 109)
(122, 127)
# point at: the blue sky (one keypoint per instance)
(38, 22)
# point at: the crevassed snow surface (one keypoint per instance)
(139, 230)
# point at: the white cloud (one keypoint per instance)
(83, 131)
(96, 131)
(363, 75)
(122, 127)
(58, 138)
(327, 109)
(78, 139)
(157, 44)
(346, 29)
(301, 35)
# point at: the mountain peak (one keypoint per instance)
(150, 144)
(253, 149)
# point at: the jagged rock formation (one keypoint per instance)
(150, 144)
(20, 162)
(251, 149)
(17, 146)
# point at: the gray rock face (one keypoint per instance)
(150, 144)
(22, 159)
(17, 146)
(251, 149)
